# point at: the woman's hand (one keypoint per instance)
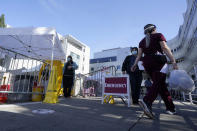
(175, 66)
(133, 68)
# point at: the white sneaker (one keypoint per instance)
(171, 112)
(147, 111)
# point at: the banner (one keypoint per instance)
(115, 85)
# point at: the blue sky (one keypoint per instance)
(100, 24)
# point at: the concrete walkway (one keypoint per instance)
(79, 114)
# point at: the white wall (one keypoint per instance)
(106, 53)
(120, 53)
(188, 50)
(84, 53)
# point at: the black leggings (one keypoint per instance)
(135, 83)
(67, 85)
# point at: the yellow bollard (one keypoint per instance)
(37, 93)
(54, 84)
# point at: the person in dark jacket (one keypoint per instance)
(68, 76)
(135, 77)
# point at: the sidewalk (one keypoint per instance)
(79, 114)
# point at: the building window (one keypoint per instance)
(83, 68)
(84, 49)
(102, 60)
(192, 42)
(180, 60)
(83, 58)
(3, 60)
(92, 69)
(76, 45)
(180, 30)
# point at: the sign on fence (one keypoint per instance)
(117, 86)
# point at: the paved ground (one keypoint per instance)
(78, 114)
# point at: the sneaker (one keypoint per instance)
(146, 108)
(170, 112)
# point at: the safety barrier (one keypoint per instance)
(19, 74)
(91, 84)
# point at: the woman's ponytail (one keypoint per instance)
(148, 29)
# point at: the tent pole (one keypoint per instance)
(66, 47)
(52, 52)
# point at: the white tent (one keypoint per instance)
(39, 43)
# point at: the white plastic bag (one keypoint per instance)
(180, 80)
(140, 65)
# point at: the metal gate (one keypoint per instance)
(19, 74)
(91, 84)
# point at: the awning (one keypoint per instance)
(39, 43)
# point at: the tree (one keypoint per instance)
(2, 21)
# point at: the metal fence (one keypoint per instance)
(179, 95)
(19, 74)
(91, 84)
(191, 97)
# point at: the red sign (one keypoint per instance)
(115, 85)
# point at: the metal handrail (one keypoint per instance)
(100, 70)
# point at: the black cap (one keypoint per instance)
(131, 48)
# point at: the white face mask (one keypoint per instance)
(134, 52)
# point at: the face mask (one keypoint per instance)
(68, 59)
(134, 52)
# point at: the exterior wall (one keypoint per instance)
(106, 53)
(79, 51)
(119, 53)
(184, 45)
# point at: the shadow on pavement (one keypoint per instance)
(79, 114)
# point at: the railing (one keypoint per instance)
(19, 74)
(91, 84)
(190, 97)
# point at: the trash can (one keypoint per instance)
(37, 93)
(4, 96)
